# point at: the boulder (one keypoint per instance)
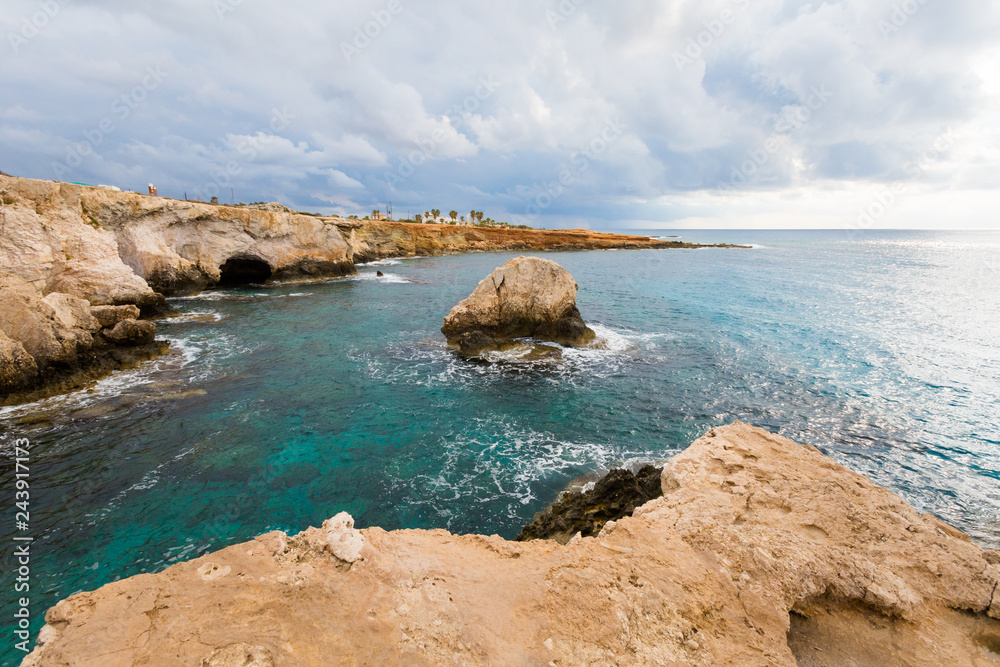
(526, 297)
(26, 318)
(131, 332)
(17, 368)
(71, 312)
(109, 316)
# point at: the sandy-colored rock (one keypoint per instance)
(54, 242)
(761, 552)
(17, 367)
(368, 240)
(71, 312)
(56, 343)
(182, 247)
(339, 536)
(526, 297)
(109, 316)
(26, 318)
(131, 332)
(239, 655)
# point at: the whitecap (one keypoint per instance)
(391, 278)
(389, 261)
(200, 316)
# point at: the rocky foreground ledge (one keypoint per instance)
(760, 552)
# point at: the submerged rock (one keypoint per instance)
(614, 496)
(526, 297)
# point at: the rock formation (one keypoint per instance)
(760, 552)
(615, 495)
(59, 341)
(526, 297)
(51, 240)
(114, 248)
(369, 241)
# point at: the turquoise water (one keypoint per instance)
(285, 405)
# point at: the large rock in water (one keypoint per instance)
(526, 297)
(760, 552)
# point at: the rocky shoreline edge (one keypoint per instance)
(757, 551)
(110, 248)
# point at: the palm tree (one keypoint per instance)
(418, 217)
(472, 216)
(479, 216)
(436, 212)
(374, 214)
(453, 214)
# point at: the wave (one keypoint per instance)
(389, 261)
(391, 278)
(194, 317)
(499, 461)
(234, 296)
(188, 362)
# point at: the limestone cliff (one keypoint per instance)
(184, 247)
(760, 552)
(376, 240)
(119, 248)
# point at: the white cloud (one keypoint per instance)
(466, 106)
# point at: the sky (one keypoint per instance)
(645, 114)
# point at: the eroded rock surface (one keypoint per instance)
(59, 341)
(613, 496)
(761, 552)
(121, 249)
(526, 297)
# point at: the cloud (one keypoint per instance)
(457, 105)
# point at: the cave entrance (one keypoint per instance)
(243, 271)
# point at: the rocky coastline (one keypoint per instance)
(61, 241)
(758, 552)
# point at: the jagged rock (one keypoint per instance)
(339, 536)
(239, 655)
(26, 318)
(55, 343)
(54, 241)
(132, 332)
(17, 368)
(109, 316)
(614, 496)
(761, 552)
(182, 247)
(526, 297)
(71, 312)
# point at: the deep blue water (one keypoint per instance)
(288, 404)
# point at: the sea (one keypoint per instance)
(281, 406)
